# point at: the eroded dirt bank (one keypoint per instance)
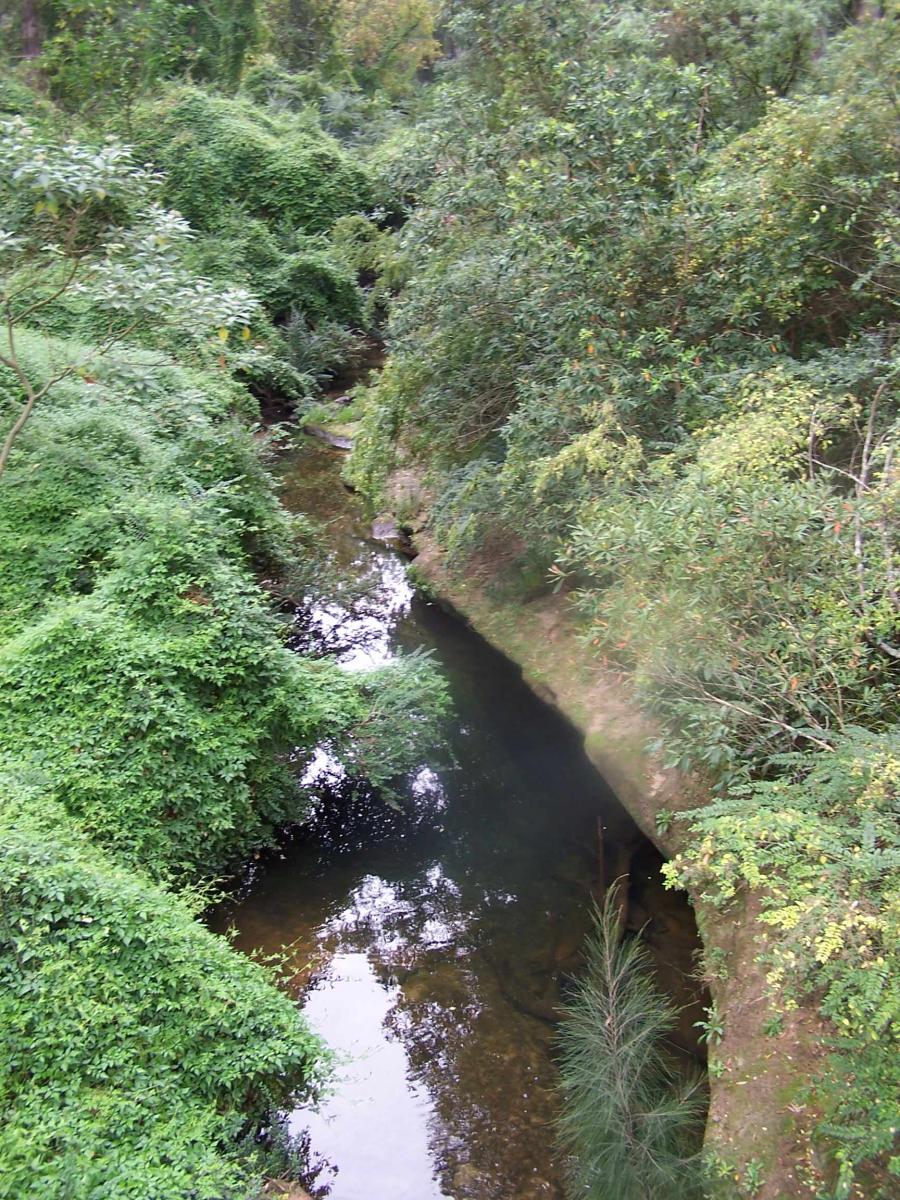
(758, 1130)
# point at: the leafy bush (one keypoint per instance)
(165, 746)
(138, 1048)
(99, 56)
(270, 85)
(142, 419)
(322, 350)
(141, 672)
(264, 187)
(820, 845)
(216, 152)
(386, 41)
(732, 588)
(83, 222)
(285, 269)
(754, 49)
(17, 98)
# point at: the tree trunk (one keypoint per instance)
(32, 39)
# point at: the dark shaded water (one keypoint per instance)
(431, 948)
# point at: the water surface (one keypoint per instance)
(431, 946)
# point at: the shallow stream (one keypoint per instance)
(431, 947)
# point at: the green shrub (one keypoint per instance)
(144, 420)
(18, 98)
(217, 152)
(101, 57)
(820, 845)
(168, 699)
(268, 84)
(263, 187)
(141, 672)
(138, 1048)
(286, 270)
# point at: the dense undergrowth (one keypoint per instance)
(148, 705)
(646, 353)
(145, 695)
(264, 187)
(138, 1047)
(150, 708)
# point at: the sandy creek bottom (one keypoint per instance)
(430, 947)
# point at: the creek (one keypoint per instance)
(430, 947)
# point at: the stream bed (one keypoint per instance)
(431, 947)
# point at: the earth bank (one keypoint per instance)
(758, 1133)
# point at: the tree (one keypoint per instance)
(31, 30)
(103, 54)
(82, 221)
(386, 41)
(303, 31)
(223, 32)
(630, 1120)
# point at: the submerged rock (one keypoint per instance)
(339, 438)
(470, 1183)
(385, 529)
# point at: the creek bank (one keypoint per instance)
(758, 1126)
